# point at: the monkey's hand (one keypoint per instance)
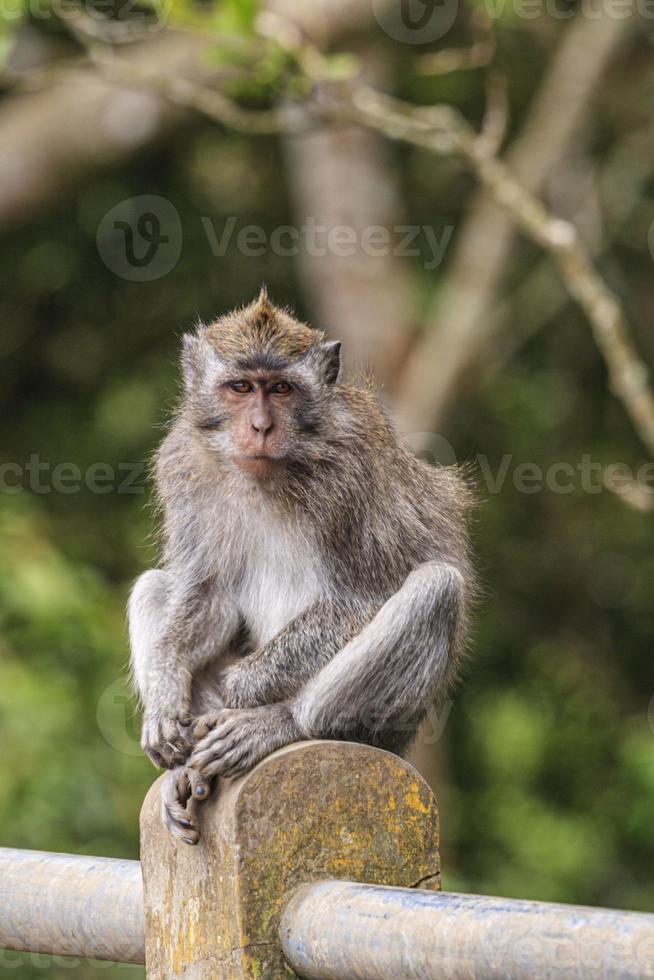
(165, 736)
(181, 790)
(239, 738)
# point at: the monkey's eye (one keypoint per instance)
(281, 388)
(241, 387)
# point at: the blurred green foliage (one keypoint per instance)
(547, 756)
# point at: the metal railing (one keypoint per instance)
(71, 905)
(337, 930)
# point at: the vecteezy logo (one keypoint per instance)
(148, 227)
(415, 21)
(115, 716)
(430, 447)
(140, 239)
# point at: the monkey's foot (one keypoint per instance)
(182, 789)
(165, 738)
(241, 737)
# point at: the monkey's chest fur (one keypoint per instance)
(280, 575)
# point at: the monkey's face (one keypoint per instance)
(260, 412)
(263, 415)
(260, 386)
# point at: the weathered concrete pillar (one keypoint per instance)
(313, 810)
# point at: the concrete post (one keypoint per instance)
(312, 811)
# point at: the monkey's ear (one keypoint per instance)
(200, 359)
(191, 359)
(331, 359)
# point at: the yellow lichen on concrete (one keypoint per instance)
(414, 799)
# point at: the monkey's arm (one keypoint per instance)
(281, 668)
(376, 689)
(174, 630)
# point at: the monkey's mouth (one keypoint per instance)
(260, 464)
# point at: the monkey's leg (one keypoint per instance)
(173, 633)
(376, 689)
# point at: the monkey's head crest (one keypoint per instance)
(260, 328)
(264, 336)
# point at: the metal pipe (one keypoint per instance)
(336, 930)
(93, 907)
(71, 905)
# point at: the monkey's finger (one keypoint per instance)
(201, 759)
(184, 741)
(171, 755)
(247, 762)
(178, 820)
(204, 725)
(238, 762)
(182, 789)
(156, 758)
(180, 814)
(207, 744)
(172, 733)
(184, 833)
(225, 764)
(199, 784)
(218, 734)
(173, 744)
(175, 788)
(184, 747)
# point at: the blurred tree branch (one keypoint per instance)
(618, 186)
(49, 139)
(443, 130)
(74, 124)
(458, 329)
(479, 55)
(205, 101)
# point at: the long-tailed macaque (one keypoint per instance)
(315, 575)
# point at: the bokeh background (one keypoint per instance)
(543, 761)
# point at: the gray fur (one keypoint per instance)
(326, 601)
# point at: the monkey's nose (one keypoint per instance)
(262, 427)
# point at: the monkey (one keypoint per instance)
(316, 577)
